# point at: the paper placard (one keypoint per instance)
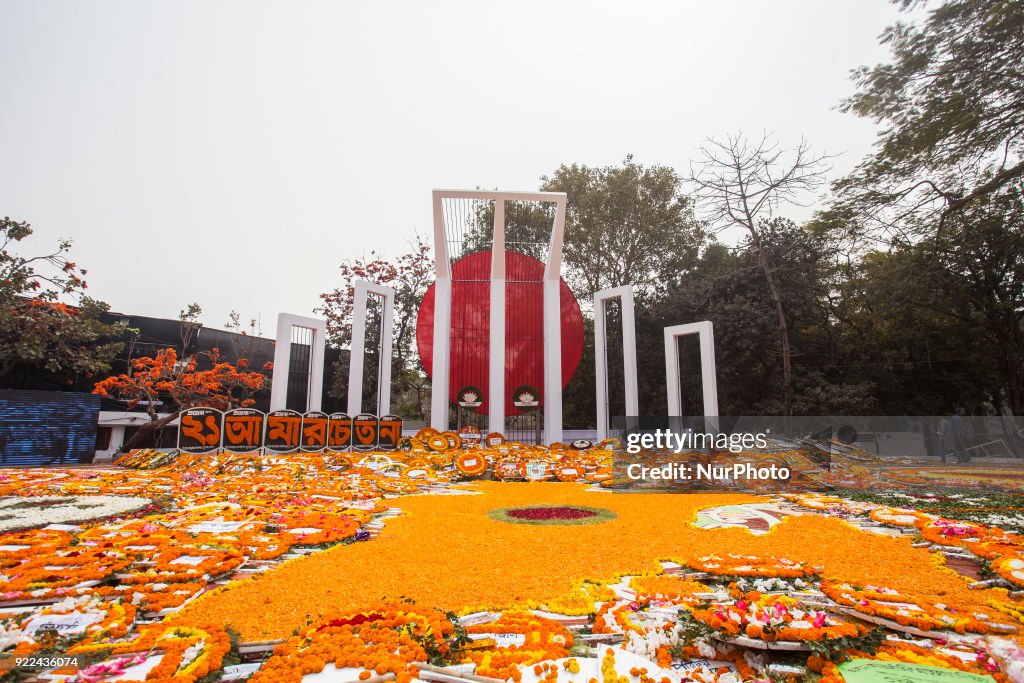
(501, 639)
(707, 664)
(361, 504)
(478, 618)
(216, 527)
(910, 607)
(191, 560)
(536, 469)
(870, 671)
(305, 531)
(139, 672)
(64, 624)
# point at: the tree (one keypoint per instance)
(897, 332)
(624, 225)
(409, 275)
(937, 323)
(978, 261)
(952, 103)
(727, 287)
(37, 328)
(527, 227)
(200, 380)
(244, 342)
(740, 184)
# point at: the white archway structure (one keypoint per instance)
(709, 381)
(306, 331)
(625, 295)
(363, 290)
(552, 391)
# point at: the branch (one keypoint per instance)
(994, 183)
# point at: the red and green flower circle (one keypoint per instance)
(551, 515)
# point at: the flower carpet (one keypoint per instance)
(338, 568)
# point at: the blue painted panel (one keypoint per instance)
(47, 427)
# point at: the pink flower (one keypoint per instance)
(97, 672)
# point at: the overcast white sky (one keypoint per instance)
(233, 153)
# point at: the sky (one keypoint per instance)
(234, 153)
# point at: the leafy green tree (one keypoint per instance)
(951, 103)
(527, 228)
(727, 287)
(978, 262)
(624, 225)
(38, 327)
(937, 324)
(913, 343)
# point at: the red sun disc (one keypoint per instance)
(524, 327)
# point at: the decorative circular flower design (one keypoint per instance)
(551, 514)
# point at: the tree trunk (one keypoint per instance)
(780, 313)
(147, 429)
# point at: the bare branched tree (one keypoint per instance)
(739, 183)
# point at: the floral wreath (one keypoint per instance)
(47, 574)
(896, 516)
(167, 568)
(507, 467)
(524, 464)
(1010, 568)
(471, 463)
(772, 618)
(189, 653)
(904, 609)
(384, 638)
(749, 565)
(569, 470)
(545, 639)
(117, 617)
(667, 588)
(154, 597)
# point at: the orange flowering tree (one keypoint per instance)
(203, 379)
(37, 328)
